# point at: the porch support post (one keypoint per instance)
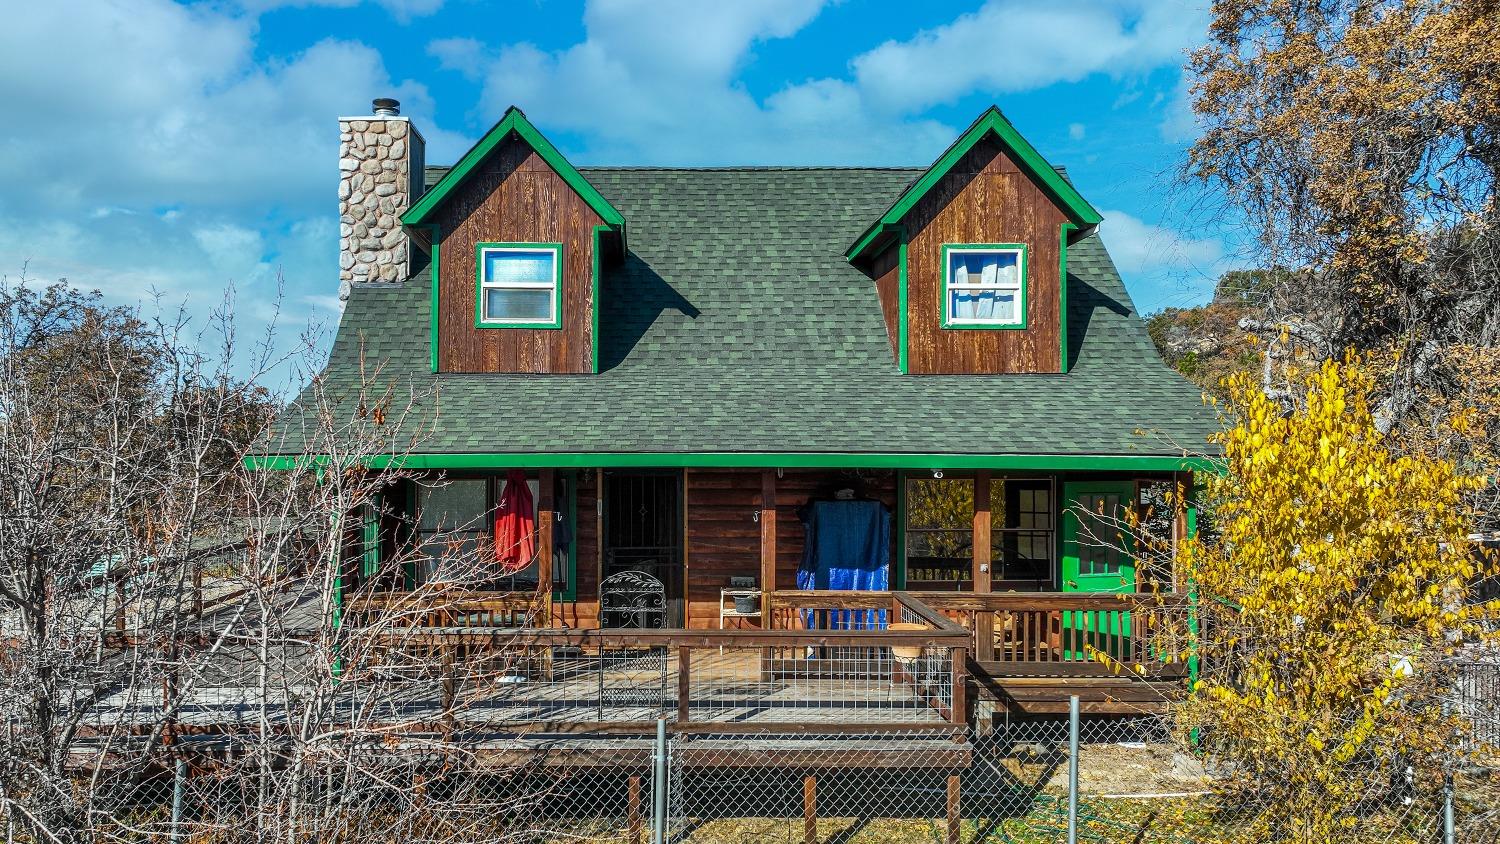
(547, 520)
(984, 622)
(1182, 494)
(767, 544)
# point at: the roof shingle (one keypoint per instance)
(736, 325)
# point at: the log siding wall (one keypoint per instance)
(986, 198)
(515, 197)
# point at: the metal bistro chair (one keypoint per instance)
(633, 600)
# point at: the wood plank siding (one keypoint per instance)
(515, 197)
(723, 536)
(985, 198)
(886, 269)
(724, 539)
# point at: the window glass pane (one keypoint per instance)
(986, 287)
(940, 503)
(1021, 515)
(989, 268)
(512, 267)
(518, 304)
(453, 557)
(456, 505)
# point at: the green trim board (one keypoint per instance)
(557, 284)
(514, 121)
(595, 284)
(1063, 232)
(950, 248)
(570, 594)
(435, 233)
(898, 577)
(1062, 194)
(760, 460)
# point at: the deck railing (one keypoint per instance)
(1072, 633)
(443, 608)
(795, 677)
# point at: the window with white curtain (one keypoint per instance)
(984, 286)
(520, 285)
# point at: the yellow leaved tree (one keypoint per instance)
(1334, 582)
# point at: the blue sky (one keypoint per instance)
(177, 149)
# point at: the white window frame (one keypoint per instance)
(949, 286)
(482, 319)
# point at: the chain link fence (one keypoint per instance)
(1036, 779)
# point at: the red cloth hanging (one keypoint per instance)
(515, 525)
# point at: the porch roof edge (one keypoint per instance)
(766, 460)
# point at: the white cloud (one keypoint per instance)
(153, 152)
(1163, 266)
(402, 10)
(1076, 131)
(656, 82)
(1016, 45)
(1138, 246)
(1179, 123)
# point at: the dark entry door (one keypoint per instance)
(643, 530)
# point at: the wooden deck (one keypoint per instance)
(796, 691)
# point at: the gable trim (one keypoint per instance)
(515, 122)
(1062, 194)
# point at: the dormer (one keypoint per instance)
(516, 238)
(970, 261)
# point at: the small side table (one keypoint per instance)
(727, 596)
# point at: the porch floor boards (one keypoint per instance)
(740, 689)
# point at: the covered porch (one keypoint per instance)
(1034, 568)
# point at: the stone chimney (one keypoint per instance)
(380, 176)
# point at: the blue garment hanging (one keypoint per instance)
(847, 546)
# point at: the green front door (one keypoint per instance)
(1096, 557)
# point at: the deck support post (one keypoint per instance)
(984, 622)
(633, 809)
(767, 544)
(684, 682)
(546, 523)
(810, 810)
(955, 816)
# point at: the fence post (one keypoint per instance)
(1450, 832)
(659, 785)
(179, 784)
(1073, 769)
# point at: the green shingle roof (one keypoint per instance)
(736, 325)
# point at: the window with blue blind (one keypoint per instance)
(520, 285)
(984, 286)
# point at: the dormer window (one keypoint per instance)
(520, 285)
(984, 285)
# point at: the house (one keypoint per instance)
(694, 368)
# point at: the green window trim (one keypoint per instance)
(1044, 175)
(1024, 298)
(557, 284)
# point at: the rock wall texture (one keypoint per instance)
(380, 175)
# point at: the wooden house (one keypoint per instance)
(684, 362)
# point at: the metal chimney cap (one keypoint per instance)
(387, 107)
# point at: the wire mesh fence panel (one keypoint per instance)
(1137, 781)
